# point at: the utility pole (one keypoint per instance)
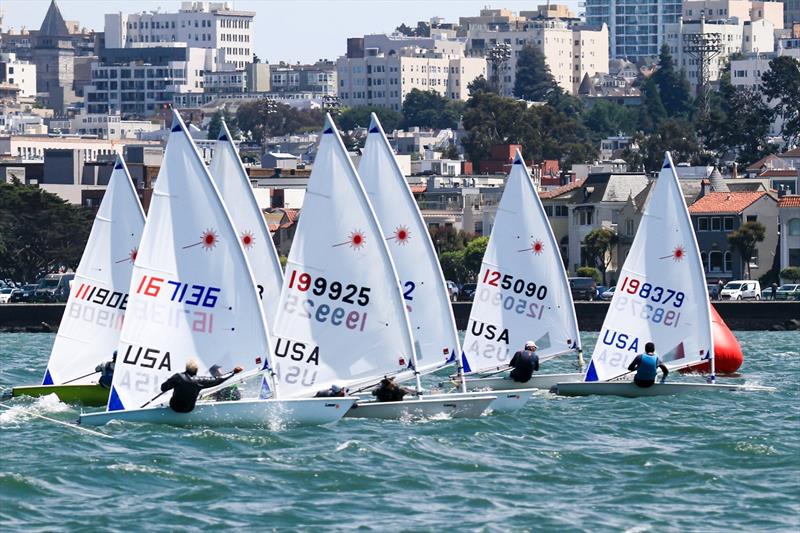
(702, 47)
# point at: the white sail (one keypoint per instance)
(233, 184)
(93, 317)
(192, 293)
(341, 318)
(661, 294)
(522, 291)
(426, 296)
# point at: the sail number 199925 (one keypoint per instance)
(335, 290)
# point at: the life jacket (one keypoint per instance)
(647, 368)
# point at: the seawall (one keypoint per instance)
(743, 316)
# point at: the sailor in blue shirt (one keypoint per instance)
(646, 366)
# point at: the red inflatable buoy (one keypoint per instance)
(728, 355)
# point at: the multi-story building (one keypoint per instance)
(212, 25)
(138, 82)
(740, 9)
(637, 28)
(789, 217)
(735, 36)
(384, 79)
(716, 215)
(319, 78)
(791, 13)
(20, 73)
(111, 126)
(570, 51)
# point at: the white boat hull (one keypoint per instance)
(451, 405)
(538, 381)
(629, 389)
(269, 413)
(505, 402)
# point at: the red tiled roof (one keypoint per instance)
(794, 152)
(778, 173)
(417, 189)
(724, 202)
(292, 214)
(561, 190)
(790, 200)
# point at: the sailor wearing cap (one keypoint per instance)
(524, 363)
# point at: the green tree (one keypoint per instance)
(608, 118)
(676, 135)
(479, 84)
(473, 256)
(353, 117)
(791, 274)
(781, 83)
(589, 272)
(672, 85)
(447, 239)
(39, 232)
(453, 266)
(534, 81)
(599, 245)
(745, 239)
(429, 109)
(215, 125)
(262, 118)
(653, 112)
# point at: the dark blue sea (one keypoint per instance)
(699, 462)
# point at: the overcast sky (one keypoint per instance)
(286, 30)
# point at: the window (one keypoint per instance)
(727, 223)
(728, 262)
(704, 259)
(716, 223)
(702, 224)
(548, 210)
(793, 227)
(629, 227)
(754, 259)
(561, 211)
(715, 261)
(752, 218)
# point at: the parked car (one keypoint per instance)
(53, 288)
(741, 290)
(600, 290)
(607, 295)
(468, 292)
(24, 293)
(452, 288)
(5, 295)
(789, 291)
(583, 288)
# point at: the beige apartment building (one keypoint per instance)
(384, 79)
(569, 51)
(741, 9)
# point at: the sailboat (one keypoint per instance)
(342, 318)
(522, 293)
(427, 299)
(93, 316)
(193, 296)
(661, 297)
(231, 179)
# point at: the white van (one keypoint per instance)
(741, 290)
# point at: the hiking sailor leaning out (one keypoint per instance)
(186, 386)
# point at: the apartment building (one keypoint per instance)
(637, 28)
(570, 51)
(318, 78)
(138, 82)
(384, 79)
(21, 74)
(212, 25)
(741, 9)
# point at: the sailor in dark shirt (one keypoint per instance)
(187, 386)
(107, 371)
(389, 391)
(524, 363)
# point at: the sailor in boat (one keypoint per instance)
(646, 366)
(107, 371)
(524, 363)
(228, 394)
(187, 386)
(389, 391)
(332, 392)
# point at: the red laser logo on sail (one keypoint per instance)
(208, 240)
(677, 254)
(537, 247)
(131, 256)
(356, 241)
(247, 239)
(401, 235)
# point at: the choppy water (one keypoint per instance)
(728, 461)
